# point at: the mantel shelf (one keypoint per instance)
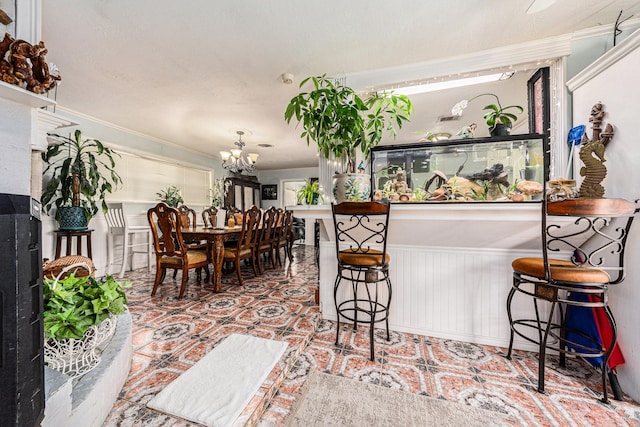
(24, 97)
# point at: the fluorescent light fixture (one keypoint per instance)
(431, 87)
(538, 6)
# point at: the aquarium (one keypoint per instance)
(500, 169)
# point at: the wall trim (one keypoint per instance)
(614, 55)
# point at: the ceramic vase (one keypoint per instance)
(351, 187)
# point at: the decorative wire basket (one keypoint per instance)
(76, 357)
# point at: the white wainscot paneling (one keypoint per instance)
(443, 292)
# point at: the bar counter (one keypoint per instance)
(450, 266)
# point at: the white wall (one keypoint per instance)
(613, 81)
(15, 142)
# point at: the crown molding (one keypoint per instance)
(537, 51)
(614, 55)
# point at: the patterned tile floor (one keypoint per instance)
(169, 336)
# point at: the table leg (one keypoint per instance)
(218, 256)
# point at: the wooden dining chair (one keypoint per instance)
(188, 220)
(209, 217)
(245, 247)
(267, 238)
(171, 249)
(282, 239)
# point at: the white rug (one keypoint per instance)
(215, 390)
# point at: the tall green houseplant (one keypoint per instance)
(339, 121)
(82, 173)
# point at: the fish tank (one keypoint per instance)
(496, 169)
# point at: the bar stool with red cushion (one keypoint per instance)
(363, 264)
(586, 238)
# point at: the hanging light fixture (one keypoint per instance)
(234, 160)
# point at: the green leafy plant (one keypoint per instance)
(170, 196)
(309, 193)
(74, 304)
(339, 121)
(496, 113)
(219, 191)
(90, 161)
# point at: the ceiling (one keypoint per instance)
(192, 73)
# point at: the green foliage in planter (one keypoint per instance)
(171, 196)
(338, 120)
(309, 192)
(91, 160)
(74, 304)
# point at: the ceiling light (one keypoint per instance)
(538, 6)
(234, 161)
(430, 87)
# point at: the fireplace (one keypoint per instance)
(21, 357)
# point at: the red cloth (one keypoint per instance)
(606, 334)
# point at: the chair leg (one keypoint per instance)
(149, 250)
(543, 347)
(175, 273)
(125, 254)
(160, 272)
(335, 301)
(389, 290)
(254, 266)
(290, 250)
(109, 249)
(512, 292)
(183, 285)
(239, 273)
(258, 258)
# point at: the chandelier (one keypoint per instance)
(235, 162)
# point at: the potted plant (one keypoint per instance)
(497, 117)
(219, 191)
(83, 172)
(78, 316)
(339, 121)
(171, 196)
(309, 193)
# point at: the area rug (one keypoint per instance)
(215, 390)
(329, 400)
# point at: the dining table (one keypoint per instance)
(217, 237)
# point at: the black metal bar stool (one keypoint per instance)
(361, 248)
(588, 250)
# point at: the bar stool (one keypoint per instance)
(592, 238)
(361, 249)
(119, 226)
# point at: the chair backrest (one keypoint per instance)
(209, 217)
(268, 225)
(167, 234)
(592, 237)
(286, 225)
(115, 217)
(187, 216)
(361, 228)
(250, 229)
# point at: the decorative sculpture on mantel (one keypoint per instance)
(25, 65)
(592, 155)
